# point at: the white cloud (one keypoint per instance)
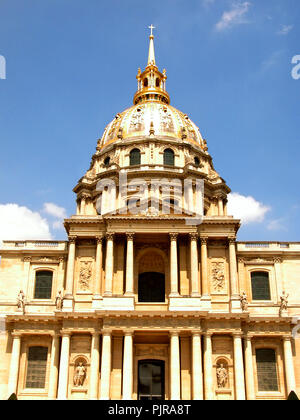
(247, 209)
(276, 224)
(59, 213)
(20, 223)
(234, 16)
(285, 29)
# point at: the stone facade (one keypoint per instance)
(86, 338)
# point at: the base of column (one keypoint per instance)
(68, 304)
(118, 303)
(206, 302)
(97, 302)
(235, 304)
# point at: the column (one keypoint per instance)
(53, 379)
(129, 265)
(98, 274)
(109, 264)
(289, 365)
(208, 375)
(204, 276)
(70, 268)
(233, 268)
(220, 206)
(173, 264)
(105, 366)
(249, 373)
(175, 366)
(239, 368)
(64, 366)
(197, 374)
(14, 365)
(194, 265)
(95, 364)
(128, 366)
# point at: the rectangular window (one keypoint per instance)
(260, 286)
(36, 368)
(266, 370)
(43, 285)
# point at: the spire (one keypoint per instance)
(151, 82)
(151, 56)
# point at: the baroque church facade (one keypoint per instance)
(142, 303)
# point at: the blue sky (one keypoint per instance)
(71, 66)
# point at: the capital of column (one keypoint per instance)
(173, 236)
(15, 334)
(287, 338)
(128, 333)
(232, 240)
(130, 236)
(106, 333)
(72, 239)
(27, 259)
(173, 333)
(65, 333)
(203, 240)
(110, 236)
(196, 333)
(99, 239)
(193, 236)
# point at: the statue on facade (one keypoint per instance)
(79, 374)
(59, 301)
(244, 302)
(283, 302)
(21, 301)
(222, 376)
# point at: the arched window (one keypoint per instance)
(135, 157)
(36, 367)
(169, 157)
(145, 82)
(107, 161)
(151, 287)
(260, 285)
(267, 377)
(43, 285)
(157, 82)
(196, 161)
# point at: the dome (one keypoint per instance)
(156, 118)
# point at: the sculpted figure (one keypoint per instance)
(222, 376)
(59, 301)
(79, 374)
(244, 302)
(283, 301)
(21, 301)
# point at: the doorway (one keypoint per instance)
(151, 380)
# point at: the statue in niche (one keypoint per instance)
(244, 302)
(21, 301)
(283, 302)
(222, 376)
(79, 375)
(59, 301)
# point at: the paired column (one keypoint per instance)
(197, 373)
(208, 374)
(239, 368)
(233, 268)
(249, 373)
(98, 274)
(64, 366)
(194, 265)
(14, 365)
(204, 274)
(105, 366)
(175, 366)
(53, 379)
(95, 364)
(128, 366)
(129, 265)
(109, 264)
(70, 268)
(289, 365)
(174, 264)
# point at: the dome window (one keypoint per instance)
(145, 82)
(157, 82)
(135, 157)
(107, 161)
(197, 161)
(169, 157)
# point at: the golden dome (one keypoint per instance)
(152, 118)
(152, 114)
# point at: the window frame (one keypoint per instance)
(39, 270)
(130, 157)
(267, 272)
(168, 149)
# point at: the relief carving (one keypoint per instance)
(85, 275)
(218, 276)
